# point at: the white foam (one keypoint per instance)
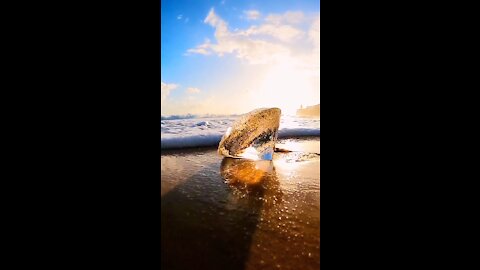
(195, 132)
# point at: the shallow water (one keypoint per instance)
(237, 214)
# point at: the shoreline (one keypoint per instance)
(188, 149)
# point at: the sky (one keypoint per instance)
(229, 57)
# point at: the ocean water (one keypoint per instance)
(193, 131)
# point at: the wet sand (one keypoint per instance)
(223, 213)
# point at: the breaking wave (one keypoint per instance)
(195, 131)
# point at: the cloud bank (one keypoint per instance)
(165, 90)
(278, 39)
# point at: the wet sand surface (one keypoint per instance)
(223, 213)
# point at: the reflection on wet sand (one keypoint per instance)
(255, 179)
(246, 172)
(239, 214)
(207, 227)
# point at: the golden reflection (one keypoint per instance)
(244, 171)
(255, 179)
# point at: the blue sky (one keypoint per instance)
(232, 56)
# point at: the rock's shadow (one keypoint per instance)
(208, 224)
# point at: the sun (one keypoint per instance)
(286, 87)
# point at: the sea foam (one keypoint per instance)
(208, 131)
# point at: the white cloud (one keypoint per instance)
(214, 104)
(179, 17)
(201, 49)
(285, 33)
(255, 51)
(215, 21)
(273, 42)
(314, 35)
(252, 14)
(193, 90)
(291, 17)
(198, 51)
(314, 32)
(165, 90)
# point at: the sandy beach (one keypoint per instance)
(223, 213)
